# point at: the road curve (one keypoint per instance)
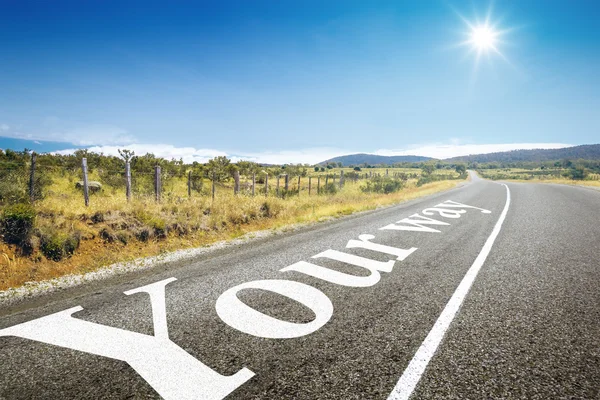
(347, 323)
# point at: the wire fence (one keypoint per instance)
(32, 180)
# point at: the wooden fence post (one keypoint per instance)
(341, 179)
(266, 185)
(287, 182)
(86, 194)
(32, 178)
(319, 185)
(236, 182)
(189, 183)
(333, 179)
(157, 187)
(386, 172)
(309, 184)
(278, 176)
(298, 185)
(253, 182)
(128, 180)
(326, 181)
(214, 178)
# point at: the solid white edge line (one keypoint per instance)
(412, 374)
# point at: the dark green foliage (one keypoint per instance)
(16, 223)
(58, 245)
(357, 168)
(382, 184)
(578, 173)
(461, 168)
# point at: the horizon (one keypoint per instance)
(287, 83)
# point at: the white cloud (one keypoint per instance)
(53, 129)
(442, 151)
(188, 154)
(191, 154)
(310, 155)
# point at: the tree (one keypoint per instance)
(460, 168)
(427, 168)
(357, 168)
(317, 169)
(126, 154)
(220, 168)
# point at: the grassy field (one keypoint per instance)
(538, 175)
(112, 230)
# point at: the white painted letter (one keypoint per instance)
(364, 243)
(172, 372)
(246, 319)
(416, 223)
(453, 204)
(444, 212)
(341, 278)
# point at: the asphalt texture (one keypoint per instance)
(528, 329)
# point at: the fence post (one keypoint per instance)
(309, 184)
(189, 183)
(157, 188)
(298, 185)
(287, 182)
(236, 182)
(341, 179)
(128, 180)
(386, 172)
(32, 178)
(333, 179)
(214, 177)
(278, 176)
(326, 181)
(253, 182)
(86, 194)
(266, 185)
(319, 185)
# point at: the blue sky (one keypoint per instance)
(283, 81)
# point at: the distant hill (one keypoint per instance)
(585, 152)
(372, 159)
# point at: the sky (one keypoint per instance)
(299, 81)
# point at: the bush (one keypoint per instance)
(382, 184)
(578, 173)
(16, 223)
(58, 245)
(329, 188)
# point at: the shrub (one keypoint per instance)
(578, 173)
(329, 188)
(17, 222)
(382, 184)
(58, 245)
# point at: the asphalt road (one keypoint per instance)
(527, 328)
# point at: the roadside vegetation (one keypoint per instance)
(577, 172)
(47, 231)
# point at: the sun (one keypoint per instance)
(483, 38)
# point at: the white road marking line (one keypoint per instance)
(412, 374)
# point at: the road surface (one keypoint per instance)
(484, 291)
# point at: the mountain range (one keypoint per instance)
(585, 152)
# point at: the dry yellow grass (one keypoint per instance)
(562, 181)
(190, 222)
